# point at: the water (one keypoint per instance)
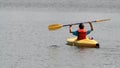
(63, 5)
(26, 41)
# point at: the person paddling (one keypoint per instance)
(81, 33)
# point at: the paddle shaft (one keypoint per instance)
(77, 23)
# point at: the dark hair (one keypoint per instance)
(81, 26)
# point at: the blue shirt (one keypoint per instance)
(76, 32)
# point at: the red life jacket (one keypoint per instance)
(81, 34)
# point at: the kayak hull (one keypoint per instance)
(82, 43)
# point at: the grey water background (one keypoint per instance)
(26, 42)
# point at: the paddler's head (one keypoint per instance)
(81, 26)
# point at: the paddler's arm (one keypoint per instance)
(91, 27)
(73, 32)
(70, 29)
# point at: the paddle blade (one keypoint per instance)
(54, 27)
(102, 20)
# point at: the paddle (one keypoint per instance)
(58, 26)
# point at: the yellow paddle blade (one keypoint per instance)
(54, 26)
(102, 20)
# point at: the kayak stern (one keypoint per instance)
(83, 43)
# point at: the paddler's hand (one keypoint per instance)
(70, 25)
(90, 22)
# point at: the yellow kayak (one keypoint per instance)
(83, 43)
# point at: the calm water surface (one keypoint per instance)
(26, 42)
